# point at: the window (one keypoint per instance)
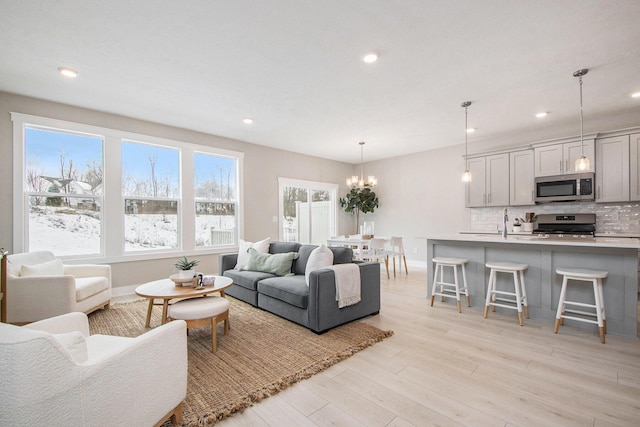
(215, 199)
(307, 211)
(83, 191)
(63, 189)
(150, 184)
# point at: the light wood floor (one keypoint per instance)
(444, 368)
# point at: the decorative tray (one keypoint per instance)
(179, 280)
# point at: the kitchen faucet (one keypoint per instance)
(505, 218)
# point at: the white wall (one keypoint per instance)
(262, 167)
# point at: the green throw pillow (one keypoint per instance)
(278, 264)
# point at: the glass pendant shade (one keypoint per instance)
(582, 164)
(466, 176)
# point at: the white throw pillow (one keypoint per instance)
(75, 343)
(320, 257)
(243, 251)
(48, 268)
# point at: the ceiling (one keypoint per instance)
(295, 67)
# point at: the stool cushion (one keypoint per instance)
(450, 261)
(506, 266)
(198, 308)
(582, 273)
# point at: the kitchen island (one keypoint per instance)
(618, 256)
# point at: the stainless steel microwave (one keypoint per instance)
(565, 188)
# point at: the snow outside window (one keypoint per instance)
(150, 187)
(215, 200)
(63, 179)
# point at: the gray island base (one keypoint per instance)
(619, 257)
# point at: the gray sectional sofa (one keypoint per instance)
(313, 306)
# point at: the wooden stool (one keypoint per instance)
(520, 293)
(442, 262)
(200, 312)
(582, 275)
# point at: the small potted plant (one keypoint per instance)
(516, 225)
(186, 268)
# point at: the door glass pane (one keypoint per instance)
(295, 221)
(321, 216)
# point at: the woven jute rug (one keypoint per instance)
(261, 355)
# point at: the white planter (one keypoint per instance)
(186, 274)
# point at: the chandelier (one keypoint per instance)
(354, 181)
(466, 176)
(582, 164)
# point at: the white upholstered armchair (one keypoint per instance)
(40, 286)
(54, 373)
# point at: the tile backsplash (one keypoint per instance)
(618, 218)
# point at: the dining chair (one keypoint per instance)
(397, 250)
(375, 252)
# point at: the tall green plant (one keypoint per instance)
(359, 200)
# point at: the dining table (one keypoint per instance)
(358, 243)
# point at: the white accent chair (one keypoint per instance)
(54, 373)
(40, 286)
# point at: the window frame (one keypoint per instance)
(112, 214)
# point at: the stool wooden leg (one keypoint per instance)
(489, 289)
(525, 302)
(434, 286)
(466, 288)
(601, 293)
(455, 280)
(560, 311)
(405, 264)
(516, 283)
(598, 298)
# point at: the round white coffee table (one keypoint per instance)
(167, 290)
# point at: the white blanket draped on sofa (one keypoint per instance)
(347, 284)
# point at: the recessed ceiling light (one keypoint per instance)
(635, 95)
(471, 130)
(68, 72)
(542, 114)
(247, 120)
(370, 57)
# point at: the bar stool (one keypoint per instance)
(520, 294)
(582, 275)
(442, 262)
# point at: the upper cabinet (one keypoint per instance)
(521, 178)
(634, 167)
(559, 159)
(490, 181)
(612, 169)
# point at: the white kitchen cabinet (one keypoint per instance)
(521, 179)
(612, 169)
(489, 184)
(559, 159)
(634, 167)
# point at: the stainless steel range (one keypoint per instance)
(566, 226)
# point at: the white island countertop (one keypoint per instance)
(531, 239)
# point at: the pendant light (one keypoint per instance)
(582, 164)
(466, 176)
(354, 181)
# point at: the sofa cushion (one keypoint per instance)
(243, 251)
(278, 264)
(89, 286)
(247, 279)
(340, 256)
(291, 289)
(283, 247)
(320, 257)
(48, 268)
